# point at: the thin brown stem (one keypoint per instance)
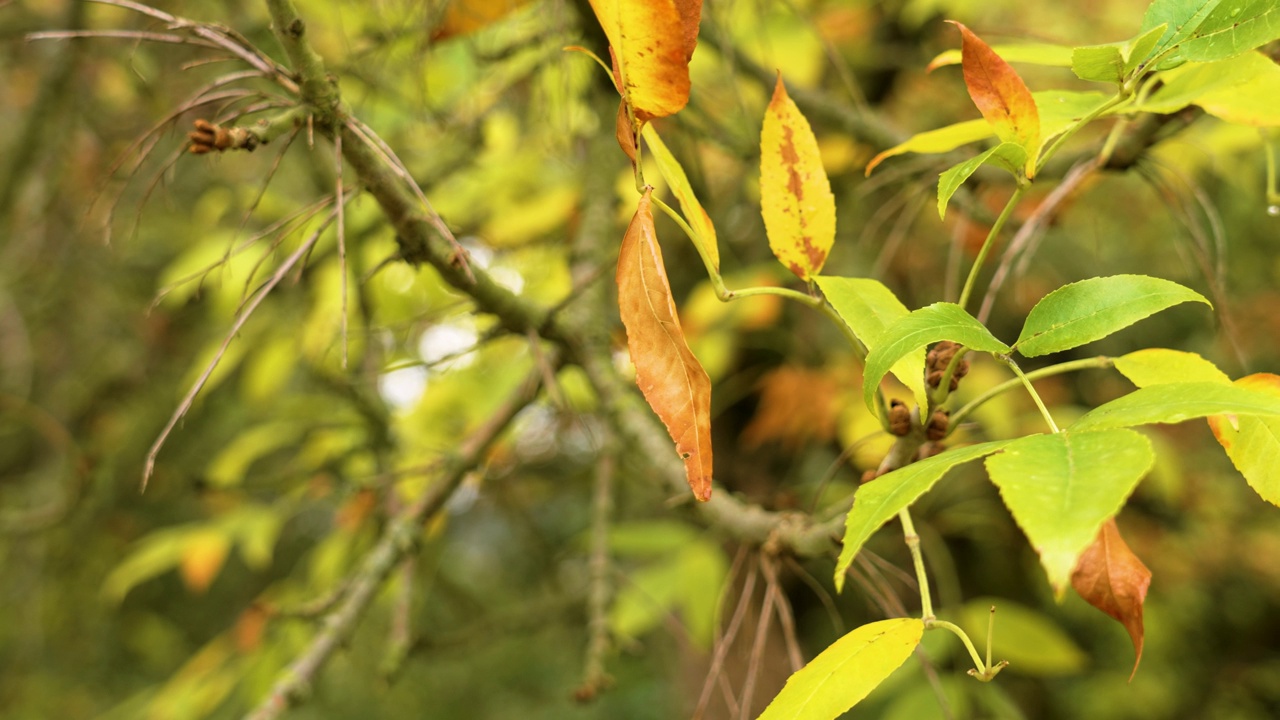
(730, 634)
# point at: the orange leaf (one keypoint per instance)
(1111, 578)
(652, 41)
(797, 405)
(466, 16)
(795, 196)
(202, 558)
(1001, 96)
(249, 628)
(670, 377)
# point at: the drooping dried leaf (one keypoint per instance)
(1001, 95)
(1114, 580)
(652, 41)
(670, 377)
(795, 195)
(625, 132)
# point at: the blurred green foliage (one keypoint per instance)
(122, 268)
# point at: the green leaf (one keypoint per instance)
(154, 554)
(689, 580)
(255, 529)
(1241, 90)
(844, 673)
(932, 142)
(1030, 640)
(228, 469)
(1008, 155)
(673, 173)
(1158, 366)
(1115, 62)
(1253, 444)
(939, 321)
(1233, 27)
(1138, 49)
(1176, 402)
(1099, 63)
(921, 700)
(881, 499)
(1180, 18)
(869, 308)
(649, 538)
(1060, 109)
(1061, 487)
(1091, 309)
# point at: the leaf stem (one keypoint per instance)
(1099, 362)
(964, 638)
(1271, 148)
(1116, 100)
(1044, 411)
(726, 295)
(991, 631)
(986, 244)
(917, 558)
(717, 281)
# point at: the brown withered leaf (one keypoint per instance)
(797, 405)
(670, 377)
(1114, 580)
(625, 132)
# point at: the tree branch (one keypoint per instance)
(397, 541)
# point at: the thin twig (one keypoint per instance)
(757, 645)
(785, 619)
(1025, 238)
(397, 541)
(118, 35)
(241, 319)
(301, 217)
(828, 603)
(730, 634)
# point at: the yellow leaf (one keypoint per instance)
(795, 196)
(674, 174)
(202, 558)
(651, 43)
(670, 377)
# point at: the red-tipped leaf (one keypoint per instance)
(1001, 95)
